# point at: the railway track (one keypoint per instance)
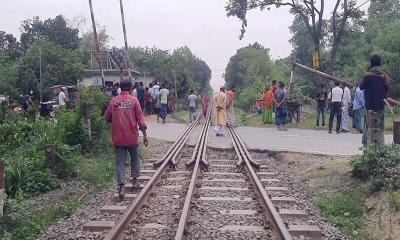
(232, 197)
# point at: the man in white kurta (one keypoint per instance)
(220, 106)
(345, 109)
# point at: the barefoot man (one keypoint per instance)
(220, 105)
(126, 116)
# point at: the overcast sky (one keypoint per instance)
(202, 25)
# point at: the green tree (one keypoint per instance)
(310, 13)
(59, 66)
(87, 45)
(8, 76)
(9, 45)
(189, 71)
(250, 70)
(55, 30)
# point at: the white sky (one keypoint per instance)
(202, 25)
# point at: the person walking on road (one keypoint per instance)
(205, 100)
(62, 99)
(358, 109)
(336, 98)
(126, 116)
(280, 107)
(155, 94)
(163, 95)
(151, 103)
(192, 104)
(322, 95)
(266, 103)
(375, 85)
(346, 103)
(140, 95)
(147, 101)
(229, 106)
(220, 106)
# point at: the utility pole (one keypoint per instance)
(40, 75)
(126, 41)
(96, 39)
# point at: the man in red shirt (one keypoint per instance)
(125, 114)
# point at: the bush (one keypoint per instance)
(22, 148)
(379, 165)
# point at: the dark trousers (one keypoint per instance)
(321, 111)
(120, 157)
(358, 114)
(336, 109)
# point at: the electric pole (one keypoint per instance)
(126, 41)
(96, 39)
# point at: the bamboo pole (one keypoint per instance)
(96, 40)
(128, 63)
(322, 74)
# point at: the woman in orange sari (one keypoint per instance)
(267, 106)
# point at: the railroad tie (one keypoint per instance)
(98, 226)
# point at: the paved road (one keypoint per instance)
(269, 139)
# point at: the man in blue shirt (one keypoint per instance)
(358, 109)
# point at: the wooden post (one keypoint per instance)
(375, 135)
(2, 188)
(396, 132)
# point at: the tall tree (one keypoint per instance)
(59, 66)
(339, 23)
(9, 45)
(55, 30)
(309, 12)
(381, 11)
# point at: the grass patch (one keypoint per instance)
(29, 225)
(394, 200)
(345, 211)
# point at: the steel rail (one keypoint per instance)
(199, 155)
(270, 212)
(180, 140)
(117, 232)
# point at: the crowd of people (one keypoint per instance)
(153, 99)
(367, 95)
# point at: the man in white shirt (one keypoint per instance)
(336, 97)
(163, 95)
(62, 100)
(345, 109)
(192, 102)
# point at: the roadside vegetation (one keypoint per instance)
(43, 154)
(358, 195)
(376, 174)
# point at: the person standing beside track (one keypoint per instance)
(229, 106)
(220, 105)
(336, 98)
(192, 104)
(125, 115)
(375, 85)
(205, 100)
(346, 102)
(163, 95)
(267, 101)
(281, 116)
